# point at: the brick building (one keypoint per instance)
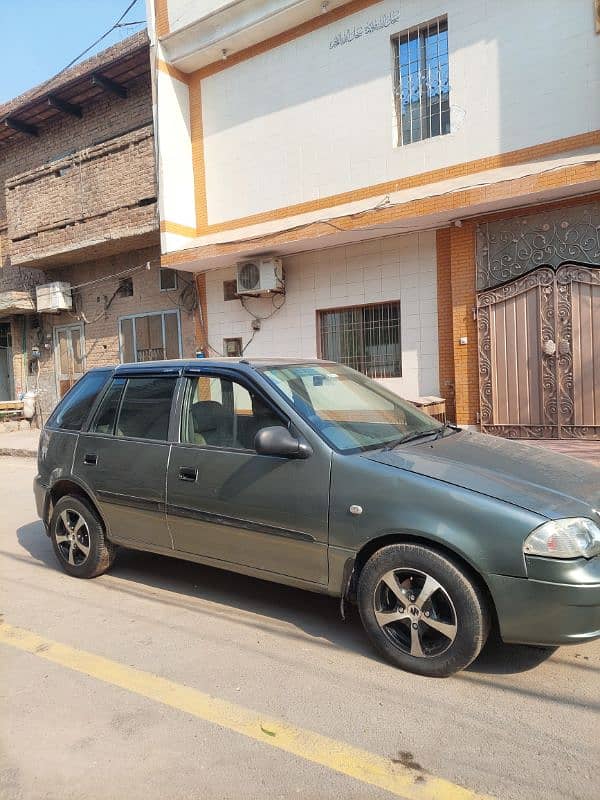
(79, 207)
(427, 172)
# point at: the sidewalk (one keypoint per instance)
(20, 443)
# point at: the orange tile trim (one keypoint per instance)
(198, 165)
(321, 21)
(172, 71)
(451, 201)
(161, 18)
(180, 230)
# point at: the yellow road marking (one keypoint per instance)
(341, 757)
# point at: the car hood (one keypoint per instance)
(529, 476)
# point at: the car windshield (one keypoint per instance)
(350, 411)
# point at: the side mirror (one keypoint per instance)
(278, 441)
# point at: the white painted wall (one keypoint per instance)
(305, 121)
(399, 267)
(176, 195)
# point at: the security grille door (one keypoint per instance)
(539, 355)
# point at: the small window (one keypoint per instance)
(104, 421)
(230, 290)
(421, 81)
(125, 288)
(150, 337)
(366, 338)
(146, 408)
(232, 348)
(73, 410)
(168, 280)
(219, 412)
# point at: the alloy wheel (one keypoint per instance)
(72, 537)
(415, 612)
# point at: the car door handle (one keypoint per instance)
(188, 473)
(90, 458)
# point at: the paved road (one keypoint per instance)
(318, 705)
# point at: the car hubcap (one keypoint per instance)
(415, 612)
(72, 537)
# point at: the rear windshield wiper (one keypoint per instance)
(410, 437)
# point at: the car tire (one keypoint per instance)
(78, 538)
(421, 610)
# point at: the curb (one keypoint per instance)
(13, 451)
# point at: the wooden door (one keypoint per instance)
(69, 349)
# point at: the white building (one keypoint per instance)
(405, 160)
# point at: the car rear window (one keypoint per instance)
(74, 408)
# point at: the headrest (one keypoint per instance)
(208, 415)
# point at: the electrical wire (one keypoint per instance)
(276, 308)
(114, 26)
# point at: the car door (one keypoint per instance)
(123, 458)
(226, 502)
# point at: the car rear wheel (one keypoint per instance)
(421, 610)
(78, 538)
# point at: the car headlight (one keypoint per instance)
(574, 537)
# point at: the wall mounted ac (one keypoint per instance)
(258, 276)
(54, 297)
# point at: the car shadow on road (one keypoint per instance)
(316, 615)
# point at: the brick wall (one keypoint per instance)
(466, 378)
(101, 332)
(75, 201)
(103, 118)
(445, 321)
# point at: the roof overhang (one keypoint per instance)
(235, 26)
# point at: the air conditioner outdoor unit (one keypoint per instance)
(54, 297)
(260, 276)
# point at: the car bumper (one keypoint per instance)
(40, 492)
(550, 612)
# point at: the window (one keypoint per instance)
(222, 413)
(150, 337)
(104, 421)
(73, 410)
(232, 348)
(366, 338)
(146, 408)
(421, 79)
(125, 288)
(230, 290)
(168, 280)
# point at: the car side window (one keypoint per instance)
(106, 415)
(146, 408)
(73, 410)
(220, 412)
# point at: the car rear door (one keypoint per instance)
(229, 504)
(124, 453)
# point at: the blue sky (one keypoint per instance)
(40, 37)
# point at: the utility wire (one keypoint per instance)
(114, 26)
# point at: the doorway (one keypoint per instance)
(539, 355)
(69, 352)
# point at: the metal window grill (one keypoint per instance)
(421, 81)
(366, 338)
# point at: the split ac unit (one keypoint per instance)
(260, 276)
(54, 297)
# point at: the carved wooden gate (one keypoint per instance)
(539, 354)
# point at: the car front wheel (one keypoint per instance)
(421, 610)
(78, 538)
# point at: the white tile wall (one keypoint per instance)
(395, 268)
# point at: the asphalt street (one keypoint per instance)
(165, 679)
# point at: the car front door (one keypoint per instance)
(123, 458)
(229, 504)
